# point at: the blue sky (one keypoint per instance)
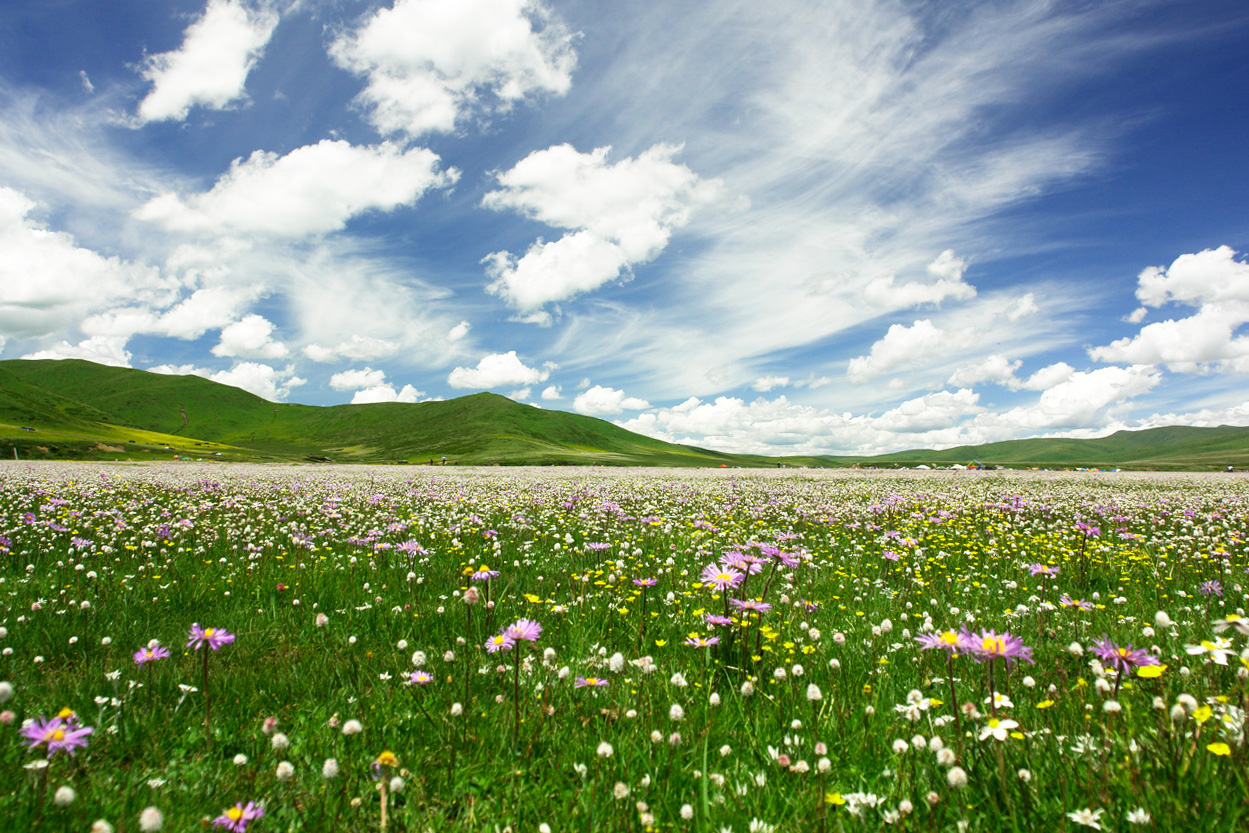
(849, 226)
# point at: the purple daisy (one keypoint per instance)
(239, 816)
(57, 734)
(589, 682)
(1122, 659)
(1066, 601)
(645, 582)
(484, 573)
(212, 637)
(1039, 569)
(418, 678)
(750, 606)
(991, 645)
(150, 654)
(945, 641)
(525, 629)
(717, 619)
(702, 642)
(500, 642)
(720, 577)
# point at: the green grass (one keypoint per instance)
(112, 557)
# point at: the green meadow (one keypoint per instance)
(570, 649)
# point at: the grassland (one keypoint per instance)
(715, 651)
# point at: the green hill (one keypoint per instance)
(82, 406)
(76, 409)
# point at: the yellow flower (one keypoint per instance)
(834, 798)
(1150, 672)
(387, 758)
(659, 643)
(1203, 714)
(1220, 749)
(1045, 704)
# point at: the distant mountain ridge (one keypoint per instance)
(84, 410)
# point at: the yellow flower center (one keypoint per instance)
(949, 638)
(54, 735)
(234, 813)
(993, 646)
(65, 713)
(208, 634)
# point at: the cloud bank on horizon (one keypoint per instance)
(812, 227)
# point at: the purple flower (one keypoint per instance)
(945, 641)
(589, 682)
(1066, 601)
(58, 734)
(525, 629)
(701, 642)
(1042, 570)
(239, 816)
(1122, 659)
(1211, 588)
(212, 637)
(484, 573)
(150, 653)
(990, 645)
(500, 642)
(750, 606)
(418, 678)
(645, 582)
(721, 577)
(717, 619)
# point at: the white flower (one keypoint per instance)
(997, 729)
(687, 812)
(352, 727)
(620, 791)
(605, 750)
(396, 784)
(616, 663)
(64, 796)
(286, 771)
(101, 826)
(814, 693)
(1139, 816)
(329, 769)
(6, 691)
(1218, 649)
(675, 712)
(240, 759)
(1087, 818)
(956, 777)
(151, 820)
(456, 710)
(280, 742)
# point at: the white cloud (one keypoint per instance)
(386, 393)
(1084, 400)
(263, 380)
(459, 331)
(108, 350)
(1022, 308)
(933, 411)
(993, 368)
(250, 338)
(600, 401)
(551, 392)
(766, 383)
(901, 346)
(48, 282)
(1214, 282)
(1048, 377)
(210, 68)
(618, 214)
(428, 62)
(496, 370)
(947, 268)
(356, 379)
(314, 189)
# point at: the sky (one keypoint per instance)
(798, 227)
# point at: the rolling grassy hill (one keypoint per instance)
(83, 410)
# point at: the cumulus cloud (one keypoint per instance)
(250, 338)
(1022, 308)
(618, 215)
(948, 270)
(314, 189)
(601, 401)
(1214, 282)
(429, 62)
(356, 379)
(901, 346)
(263, 380)
(551, 392)
(386, 393)
(48, 282)
(497, 370)
(210, 68)
(108, 350)
(458, 331)
(994, 368)
(932, 411)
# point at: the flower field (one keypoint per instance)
(350, 649)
